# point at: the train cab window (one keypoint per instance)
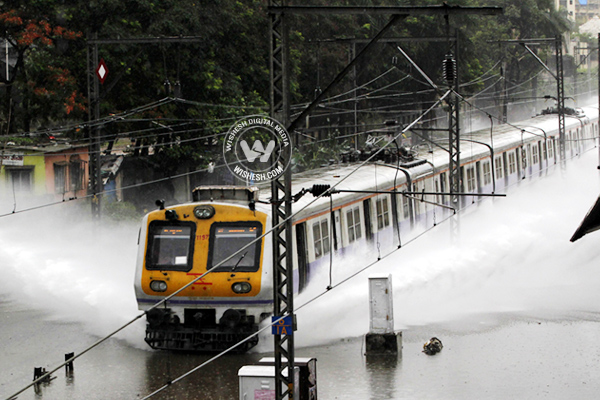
(321, 238)
(170, 246)
(353, 220)
(227, 238)
(383, 213)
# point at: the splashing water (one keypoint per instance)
(511, 256)
(59, 262)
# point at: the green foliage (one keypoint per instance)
(317, 155)
(228, 65)
(120, 211)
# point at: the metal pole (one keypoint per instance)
(6, 47)
(355, 99)
(560, 92)
(454, 135)
(283, 285)
(504, 94)
(95, 185)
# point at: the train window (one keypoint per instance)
(498, 167)
(512, 163)
(405, 207)
(353, 219)
(544, 151)
(227, 238)
(417, 204)
(383, 213)
(534, 154)
(470, 179)
(487, 173)
(321, 238)
(170, 246)
(550, 145)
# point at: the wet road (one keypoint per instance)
(508, 357)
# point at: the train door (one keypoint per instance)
(528, 162)
(395, 216)
(443, 187)
(543, 154)
(519, 159)
(478, 177)
(505, 167)
(368, 225)
(337, 229)
(301, 251)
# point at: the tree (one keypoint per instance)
(43, 86)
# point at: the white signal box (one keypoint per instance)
(381, 305)
(257, 382)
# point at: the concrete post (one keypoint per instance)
(381, 338)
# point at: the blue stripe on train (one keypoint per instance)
(206, 303)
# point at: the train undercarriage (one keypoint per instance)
(199, 331)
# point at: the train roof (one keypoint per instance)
(378, 176)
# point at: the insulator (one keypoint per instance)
(449, 68)
(319, 189)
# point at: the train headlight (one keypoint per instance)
(204, 212)
(158, 286)
(241, 287)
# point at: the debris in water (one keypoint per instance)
(433, 346)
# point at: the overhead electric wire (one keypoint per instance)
(349, 92)
(120, 117)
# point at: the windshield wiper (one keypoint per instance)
(239, 261)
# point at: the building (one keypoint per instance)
(57, 170)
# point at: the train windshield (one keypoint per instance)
(170, 246)
(228, 238)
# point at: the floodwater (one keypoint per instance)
(515, 304)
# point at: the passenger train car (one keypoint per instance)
(180, 243)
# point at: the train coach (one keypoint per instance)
(376, 202)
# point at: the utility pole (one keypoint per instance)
(95, 186)
(558, 76)
(560, 92)
(281, 209)
(451, 75)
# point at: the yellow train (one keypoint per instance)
(180, 244)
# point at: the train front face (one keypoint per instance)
(179, 244)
